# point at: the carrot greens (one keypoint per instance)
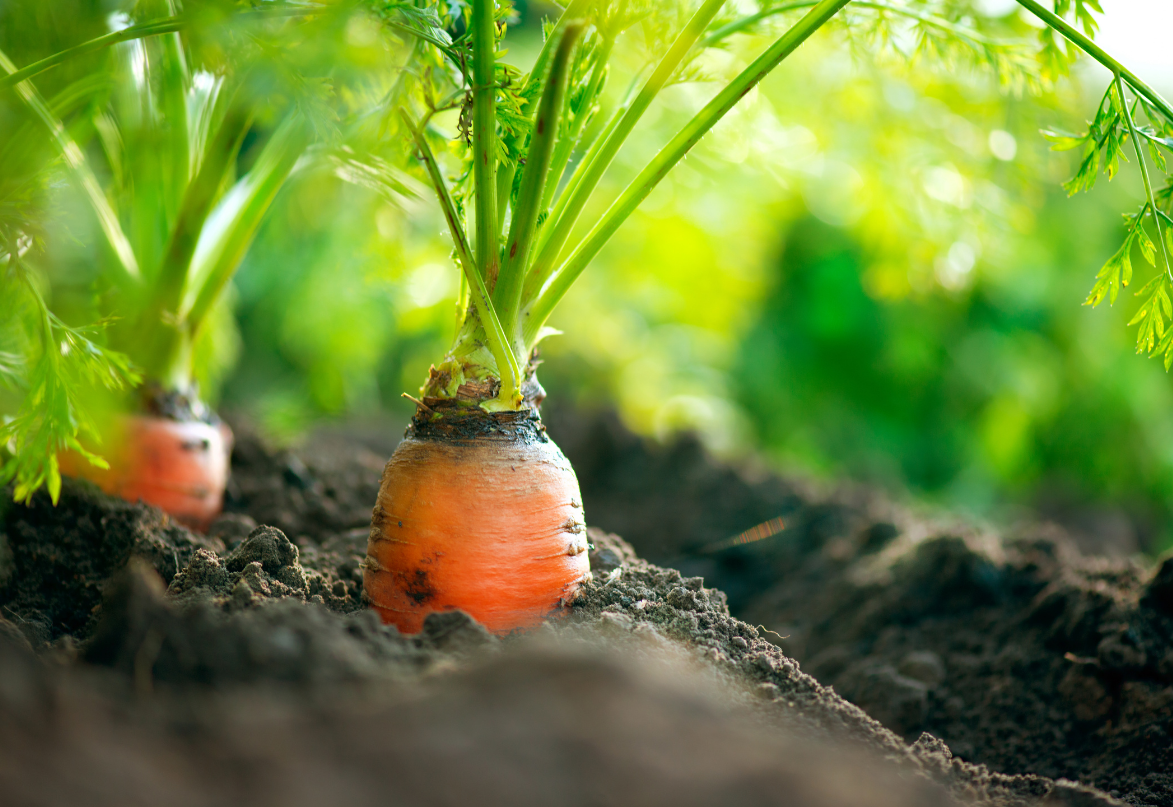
(165, 133)
(534, 149)
(199, 113)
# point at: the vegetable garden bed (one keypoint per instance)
(141, 663)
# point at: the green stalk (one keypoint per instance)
(1144, 173)
(737, 26)
(575, 10)
(671, 154)
(1099, 54)
(506, 173)
(557, 231)
(197, 203)
(566, 146)
(229, 228)
(940, 23)
(76, 163)
(175, 84)
(507, 294)
(507, 364)
(576, 178)
(146, 29)
(484, 137)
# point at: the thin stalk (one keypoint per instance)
(671, 154)
(507, 364)
(506, 173)
(1144, 172)
(575, 10)
(531, 287)
(75, 161)
(1099, 54)
(141, 31)
(559, 229)
(176, 80)
(229, 228)
(941, 23)
(507, 294)
(566, 146)
(197, 203)
(737, 26)
(424, 36)
(484, 137)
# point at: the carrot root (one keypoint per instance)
(181, 467)
(490, 523)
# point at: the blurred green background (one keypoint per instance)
(868, 271)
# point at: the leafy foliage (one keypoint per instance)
(1057, 53)
(1104, 144)
(192, 136)
(56, 367)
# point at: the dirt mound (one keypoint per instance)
(180, 649)
(54, 561)
(1018, 651)
(233, 684)
(545, 724)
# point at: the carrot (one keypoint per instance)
(477, 511)
(181, 467)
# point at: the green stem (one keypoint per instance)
(575, 10)
(1144, 172)
(1099, 54)
(941, 23)
(507, 364)
(531, 285)
(671, 154)
(566, 146)
(146, 29)
(484, 137)
(76, 163)
(559, 230)
(505, 175)
(507, 294)
(200, 197)
(230, 227)
(507, 172)
(424, 36)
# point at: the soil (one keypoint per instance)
(1015, 649)
(140, 663)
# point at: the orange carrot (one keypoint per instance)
(180, 467)
(479, 512)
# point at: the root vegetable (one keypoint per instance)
(479, 512)
(180, 467)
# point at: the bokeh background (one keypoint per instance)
(869, 271)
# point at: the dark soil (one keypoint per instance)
(142, 664)
(1015, 649)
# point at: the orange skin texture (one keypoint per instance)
(180, 467)
(492, 526)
